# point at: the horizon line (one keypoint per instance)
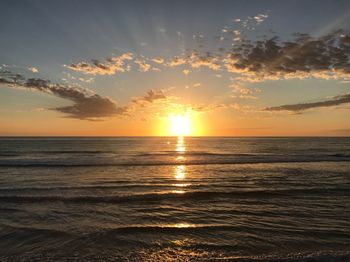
(155, 136)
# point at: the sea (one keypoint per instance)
(174, 199)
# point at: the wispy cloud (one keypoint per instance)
(337, 100)
(158, 60)
(108, 67)
(150, 97)
(86, 104)
(207, 60)
(143, 65)
(202, 108)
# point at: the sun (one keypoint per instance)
(180, 125)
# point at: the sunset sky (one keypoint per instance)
(229, 68)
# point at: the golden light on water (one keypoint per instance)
(184, 225)
(180, 158)
(180, 172)
(182, 184)
(180, 145)
(178, 225)
(178, 191)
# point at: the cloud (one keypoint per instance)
(150, 97)
(208, 60)
(143, 66)
(186, 71)
(33, 69)
(86, 104)
(251, 22)
(81, 79)
(269, 58)
(201, 108)
(303, 56)
(158, 60)
(176, 61)
(195, 60)
(108, 67)
(327, 57)
(260, 18)
(337, 100)
(92, 107)
(237, 88)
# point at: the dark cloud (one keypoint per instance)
(338, 100)
(86, 104)
(154, 95)
(150, 97)
(92, 107)
(305, 56)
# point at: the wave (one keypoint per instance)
(97, 152)
(298, 257)
(180, 195)
(234, 159)
(74, 152)
(169, 229)
(198, 153)
(126, 184)
(131, 242)
(170, 254)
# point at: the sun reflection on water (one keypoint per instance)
(178, 191)
(178, 225)
(180, 158)
(180, 145)
(180, 172)
(183, 225)
(181, 184)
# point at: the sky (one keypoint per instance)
(129, 68)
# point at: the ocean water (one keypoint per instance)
(174, 199)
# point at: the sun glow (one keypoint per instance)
(180, 125)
